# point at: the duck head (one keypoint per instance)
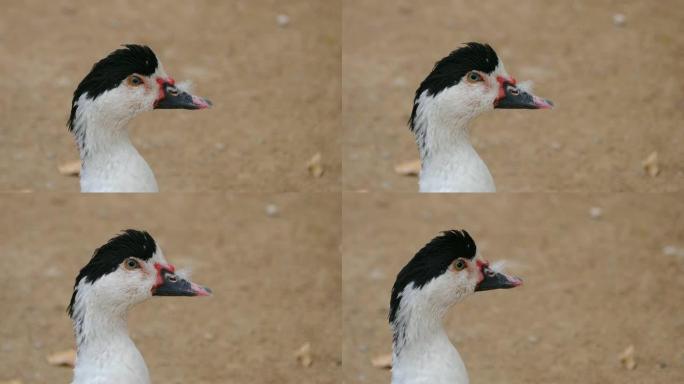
(127, 82)
(128, 269)
(444, 272)
(469, 81)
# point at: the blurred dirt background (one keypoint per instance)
(275, 90)
(618, 90)
(275, 277)
(596, 281)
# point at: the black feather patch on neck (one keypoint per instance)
(430, 262)
(109, 72)
(106, 259)
(451, 69)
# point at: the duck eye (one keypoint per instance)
(459, 264)
(473, 77)
(135, 80)
(131, 264)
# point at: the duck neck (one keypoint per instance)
(98, 135)
(104, 347)
(449, 163)
(422, 351)
(447, 143)
(418, 325)
(109, 161)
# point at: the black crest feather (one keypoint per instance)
(430, 262)
(451, 69)
(108, 73)
(106, 259)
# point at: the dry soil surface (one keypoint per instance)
(592, 286)
(276, 90)
(618, 90)
(276, 283)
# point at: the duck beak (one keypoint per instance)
(512, 97)
(173, 285)
(496, 280)
(173, 98)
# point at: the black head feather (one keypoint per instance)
(106, 259)
(108, 73)
(430, 262)
(451, 69)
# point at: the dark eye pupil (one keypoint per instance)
(131, 263)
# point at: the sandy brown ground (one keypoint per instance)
(276, 283)
(592, 286)
(618, 90)
(276, 90)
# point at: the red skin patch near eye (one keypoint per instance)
(161, 95)
(502, 80)
(161, 267)
(168, 80)
(480, 266)
(502, 88)
(161, 83)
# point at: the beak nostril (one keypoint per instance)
(173, 91)
(172, 278)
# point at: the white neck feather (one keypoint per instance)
(449, 161)
(109, 161)
(106, 354)
(422, 352)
